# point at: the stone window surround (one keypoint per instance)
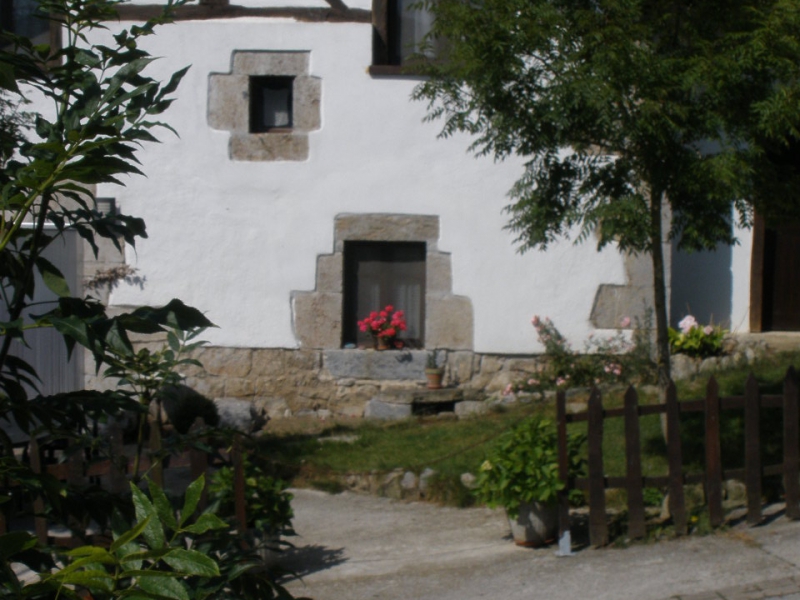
(317, 314)
(229, 105)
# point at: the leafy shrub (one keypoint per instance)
(522, 466)
(267, 502)
(614, 359)
(694, 340)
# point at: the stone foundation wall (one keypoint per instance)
(341, 382)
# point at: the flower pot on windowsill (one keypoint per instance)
(384, 343)
(434, 378)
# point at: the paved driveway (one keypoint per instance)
(354, 547)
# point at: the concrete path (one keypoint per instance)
(353, 547)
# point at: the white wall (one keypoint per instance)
(236, 238)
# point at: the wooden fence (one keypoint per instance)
(712, 477)
(115, 472)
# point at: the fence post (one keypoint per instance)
(633, 460)
(598, 528)
(39, 521)
(564, 534)
(791, 481)
(752, 452)
(677, 504)
(713, 455)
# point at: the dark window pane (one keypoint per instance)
(270, 103)
(22, 17)
(407, 30)
(381, 273)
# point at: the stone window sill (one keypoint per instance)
(397, 365)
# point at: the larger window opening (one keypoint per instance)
(377, 274)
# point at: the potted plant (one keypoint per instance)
(384, 326)
(520, 474)
(433, 371)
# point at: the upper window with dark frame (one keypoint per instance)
(270, 103)
(377, 274)
(22, 17)
(400, 28)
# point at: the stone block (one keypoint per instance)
(682, 367)
(284, 363)
(424, 479)
(353, 411)
(274, 407)
(318, 319)
(271, 63)
(210, 387)
(398, 396)
(391, 485)
(409, 481)
(439, 273)
(449, 322)
(226, 362)
(229, 102)
(709, 365)
(330, 273)
(372, 364)
(239, 388)
(268, 146)
(386, 228)
(460, 367)
(470, 407)
(468, 480)
(384, 411)
(307, 96)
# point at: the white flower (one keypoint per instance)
(687, 324)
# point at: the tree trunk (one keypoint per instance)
(659, 290)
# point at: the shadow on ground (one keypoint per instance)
(300, 562)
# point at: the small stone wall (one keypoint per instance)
(342, 382)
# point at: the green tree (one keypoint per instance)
(641, 121)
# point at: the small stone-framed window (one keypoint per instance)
(270, 103)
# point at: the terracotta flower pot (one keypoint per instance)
(384, 343)
(434, 378)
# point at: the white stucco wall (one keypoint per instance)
(740, 266)
(236, 238)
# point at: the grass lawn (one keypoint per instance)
(317, 454)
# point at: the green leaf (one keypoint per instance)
(52, 277)
(162, 504)
(8, 80)
(94, 579)
(191, 562)
(128, 536)
(145, 511)
(192, 498)
(205, 522)
(164, 587)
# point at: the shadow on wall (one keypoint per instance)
(702, 285)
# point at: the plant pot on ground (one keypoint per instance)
(520, 474)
